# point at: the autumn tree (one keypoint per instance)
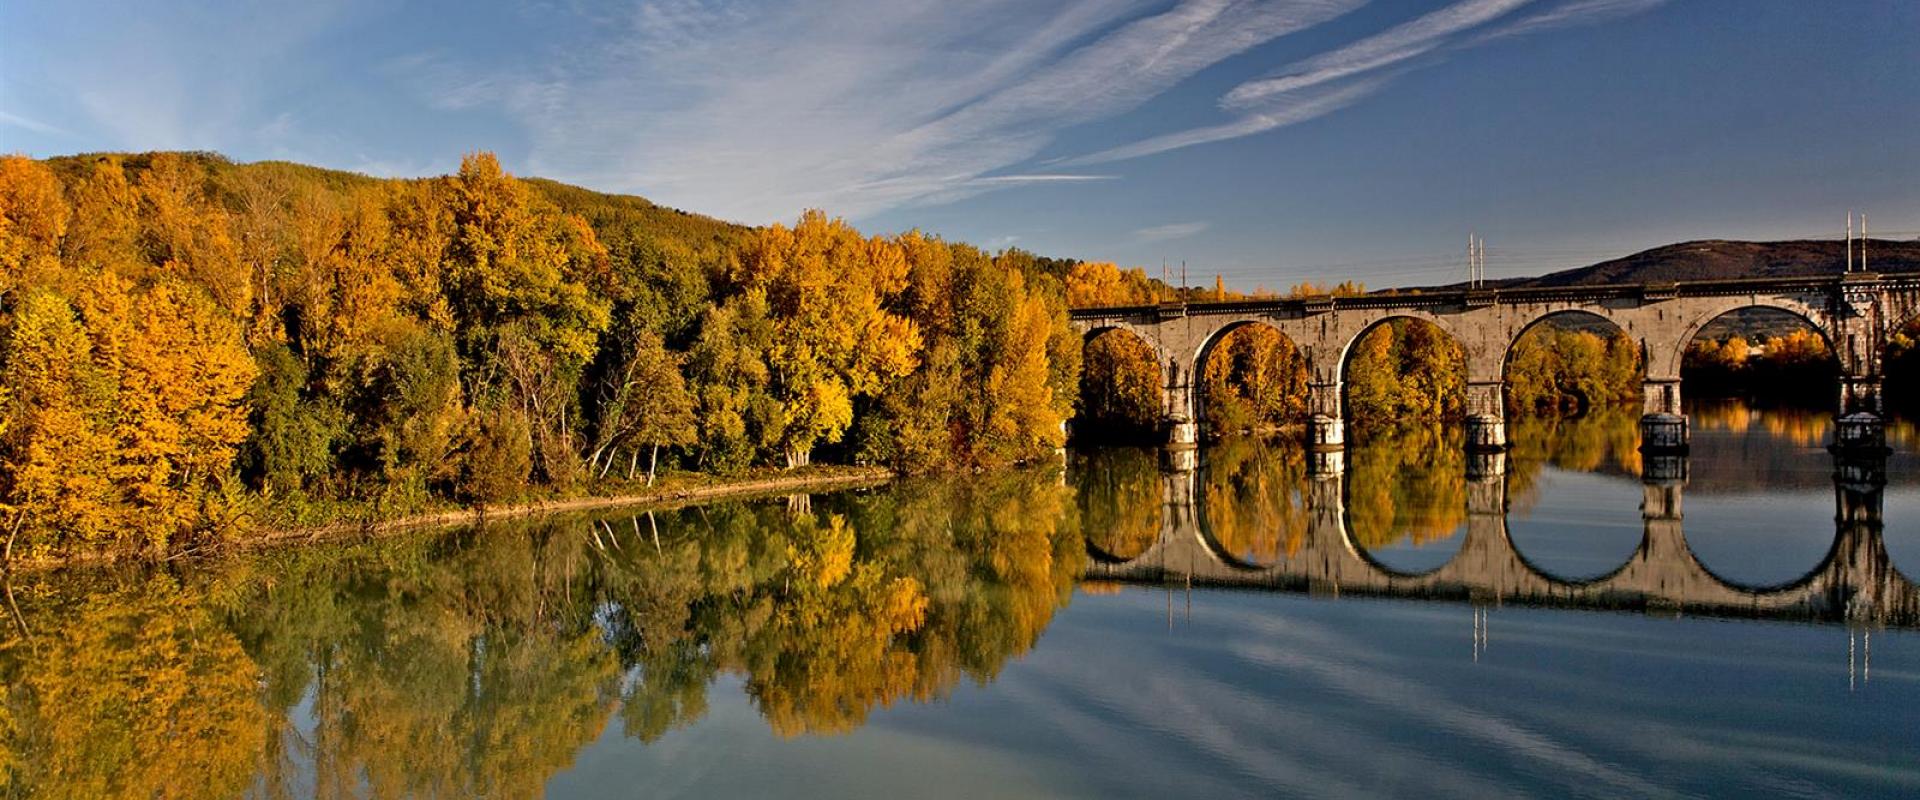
(59, 442)
(732, 382)
(1552, 369)
(1100, 283)
(997, 352)
(834, 340)
(1405, 370)
(1120, 387)
(1252, 378)
(33, 221)
(525, 285)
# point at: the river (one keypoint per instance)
(1569, 619)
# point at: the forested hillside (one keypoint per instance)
(194, 347)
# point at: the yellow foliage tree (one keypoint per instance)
(1253, 378)
(33, 220)
(180, 371)
(827, 289)
(1101, 283)
(59, 445)
(1120, 386)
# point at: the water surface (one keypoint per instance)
(1419, 623)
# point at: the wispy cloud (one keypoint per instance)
(852, 105)
(1324, 83)
(1283, 112)
(1014, 180)
(1580, 12)
(1164, 233)
(1396, 45)
(36, 126)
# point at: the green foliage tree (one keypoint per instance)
(643, 402)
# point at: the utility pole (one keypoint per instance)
(1476, 261)
(1849, 241)
(1863, 242)
(1473, 272)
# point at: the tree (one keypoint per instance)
(1253, 378)
(185, 233)
(1559, 370)
(292, 435)
(826, 288)
(59, 445)
(1119, 387)
(1104, 284)
(1405, 370)
(33, 220)
(729, 367)
(642, 402)
(181, 372)
(105, 230)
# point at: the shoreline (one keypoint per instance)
(664, 496)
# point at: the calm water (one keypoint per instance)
(1575, 620)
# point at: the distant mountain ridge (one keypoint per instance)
(1720, 259)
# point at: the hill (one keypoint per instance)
(1718, 259)
(623, 220)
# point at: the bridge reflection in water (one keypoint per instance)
(1856, 582)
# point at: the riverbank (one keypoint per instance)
(671, 491)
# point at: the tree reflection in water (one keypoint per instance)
(1119, 493)
(1407, 485)
(481, 662)
(1254, 493)
(1605, 439)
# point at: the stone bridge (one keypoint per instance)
(1856, 582)
(1855, 312)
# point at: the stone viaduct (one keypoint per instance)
(1856, 582)
(1856, 312)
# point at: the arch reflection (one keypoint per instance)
(1406, 498)
(1852, 578)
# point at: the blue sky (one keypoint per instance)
(1270, 141)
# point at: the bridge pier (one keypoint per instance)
(1326, 433)
(1486, 416)
(1859, 483)
(1663, 429)
(1486, 466)
(1859, 428)
(1183, 433)
(1325, 429)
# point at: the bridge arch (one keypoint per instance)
(1257, 339)
(1522, 397)
(1666, 360)
(1792, 584)
(1124, 377)
(1354, 341)
(1899, 360)
(1407, 487)
(1559, 580)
